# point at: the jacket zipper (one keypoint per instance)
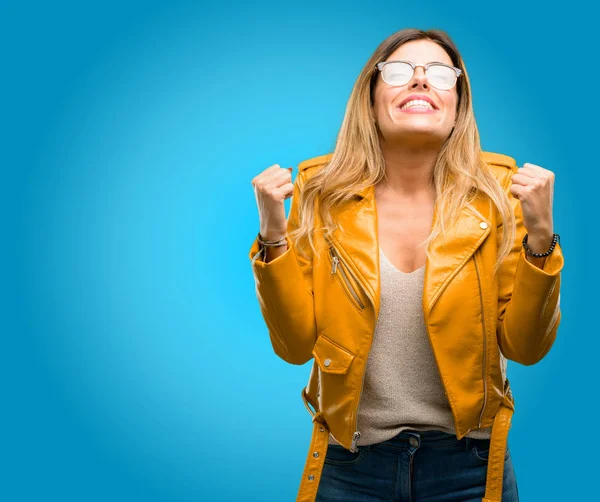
(343, 267)
(338, 264)
(484, 341)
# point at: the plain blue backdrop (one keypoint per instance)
(135, 361)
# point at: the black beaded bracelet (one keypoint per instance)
(555, 239)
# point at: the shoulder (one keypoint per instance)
(309, 167)
(502, 166)
(314, 163)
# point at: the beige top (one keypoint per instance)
(402, 385)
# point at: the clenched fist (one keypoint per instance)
(534, 187)
(271, 188)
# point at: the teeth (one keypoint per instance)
(417, 103)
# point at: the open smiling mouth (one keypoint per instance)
(417, 106)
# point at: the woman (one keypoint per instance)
(411, 267)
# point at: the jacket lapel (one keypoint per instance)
(357, 238)
(449, 254)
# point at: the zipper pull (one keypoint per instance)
(355, 438)
(335, 264)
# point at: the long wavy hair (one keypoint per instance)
(357, 160)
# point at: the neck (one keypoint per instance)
(409, 170)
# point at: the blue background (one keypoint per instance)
(135, 362)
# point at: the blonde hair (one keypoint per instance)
(357, 160)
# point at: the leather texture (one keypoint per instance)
(325, 307)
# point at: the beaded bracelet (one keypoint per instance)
(555, 239)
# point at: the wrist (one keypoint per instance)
(535, 251)
(539, 242)
(272, 235)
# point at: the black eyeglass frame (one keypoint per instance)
(458, 72)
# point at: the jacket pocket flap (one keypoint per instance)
(331, 357)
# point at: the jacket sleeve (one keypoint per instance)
(284, 289)
(528, 298)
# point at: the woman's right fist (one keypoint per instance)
(271, 187)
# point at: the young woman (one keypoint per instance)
(412, 265)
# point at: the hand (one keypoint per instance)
(271, 188)
(534, 187)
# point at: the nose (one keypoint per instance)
(419, 78)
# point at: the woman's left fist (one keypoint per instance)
(534, 187)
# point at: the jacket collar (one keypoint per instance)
(361, 244)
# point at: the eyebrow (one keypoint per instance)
(440, 62)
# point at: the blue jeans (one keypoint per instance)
(429, 466)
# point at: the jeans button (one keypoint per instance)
(414, 442)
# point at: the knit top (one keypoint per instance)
(402, 386)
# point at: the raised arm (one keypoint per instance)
(528, 297)
(284, 289)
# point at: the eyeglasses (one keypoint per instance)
(439, 75)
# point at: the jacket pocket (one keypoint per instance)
(331, 357)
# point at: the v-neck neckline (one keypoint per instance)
(414, 272)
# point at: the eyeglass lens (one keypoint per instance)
(398, 73)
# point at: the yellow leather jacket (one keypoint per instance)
(326, 308)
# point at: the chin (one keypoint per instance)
(423, 134)
(421, 131)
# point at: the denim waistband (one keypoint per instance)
(431, 438)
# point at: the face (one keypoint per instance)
(415, 125)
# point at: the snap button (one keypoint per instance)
(321, 429)
(316, 454)
(327, 362)
(414, 442)
(310, 477)
(483, 225)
